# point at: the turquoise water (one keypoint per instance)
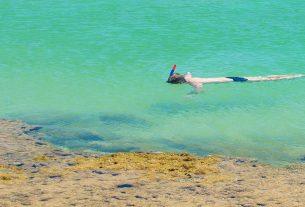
(93, 74)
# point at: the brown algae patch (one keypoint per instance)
(43, 158)
(53, 171)
(11, 175)
(155, 165)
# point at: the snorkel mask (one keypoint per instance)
(175, 78)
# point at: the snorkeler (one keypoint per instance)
(197, 83)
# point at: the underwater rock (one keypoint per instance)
(38, 165)
(32, 130)
(72, 134)
(18, 164)
(40, 143)
(100, 172)
(239, 161)
(117, 119)
(55, 176)
(71, 164)
(35, 128)
(60, 153)
(88, 136)
(125, 186)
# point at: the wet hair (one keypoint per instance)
(176, 79)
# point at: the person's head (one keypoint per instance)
(176, 79)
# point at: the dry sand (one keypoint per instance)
(34, 173)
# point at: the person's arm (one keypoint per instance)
(196, 84)
(198, 87)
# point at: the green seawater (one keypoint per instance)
(93, 73)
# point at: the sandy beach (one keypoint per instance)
(34, 173)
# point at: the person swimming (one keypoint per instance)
(197, 83)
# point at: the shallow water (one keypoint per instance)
(93, 74)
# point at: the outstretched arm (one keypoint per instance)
(197, 88)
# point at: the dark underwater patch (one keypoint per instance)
(113, 148)
(72, 134)
(174, 145)
(33, 130)
(52, 119)
(207, 106)
(77, 139)
(169, 108)
(178, 147)
(120, 119)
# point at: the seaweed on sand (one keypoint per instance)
(10, 174)
(155, 165)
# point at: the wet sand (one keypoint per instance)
(34, 173)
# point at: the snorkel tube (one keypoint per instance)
(173, 70)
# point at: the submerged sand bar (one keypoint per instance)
(34, 173)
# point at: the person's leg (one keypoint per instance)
(273, 77)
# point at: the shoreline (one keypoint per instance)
(49, 176)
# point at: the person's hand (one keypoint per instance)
(188, 76)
